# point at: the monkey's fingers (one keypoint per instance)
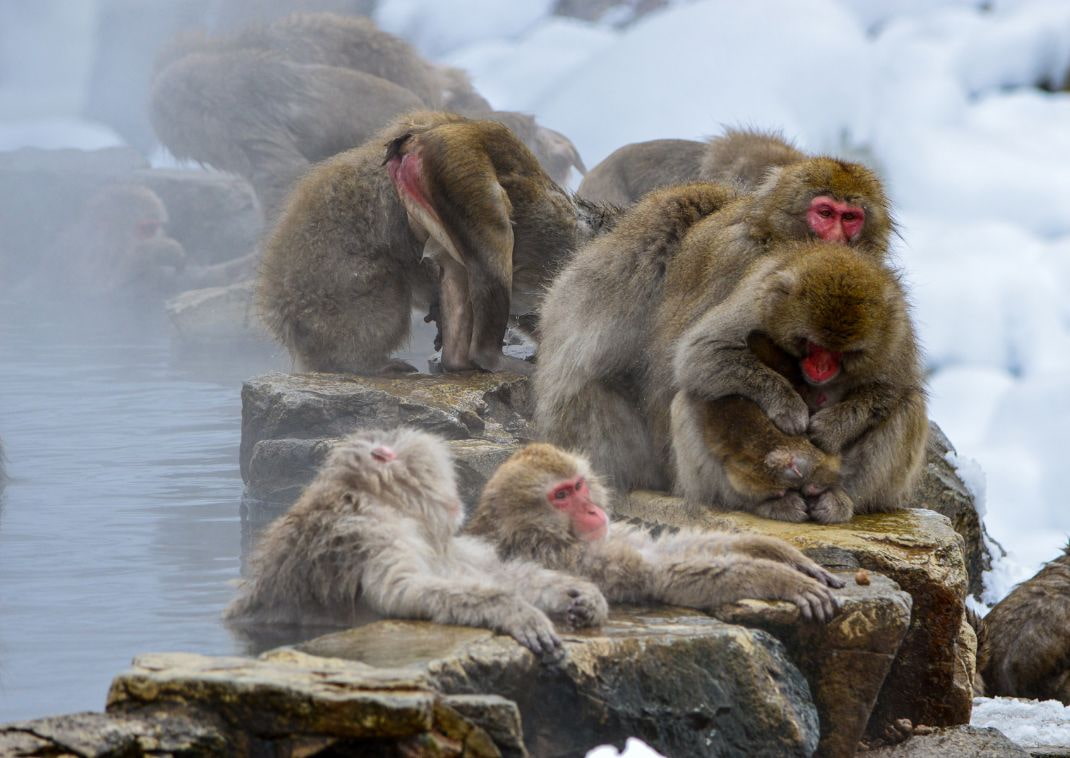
(820, 574)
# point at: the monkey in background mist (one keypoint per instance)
(377, 530)
(1023, 648)
(546, 505)
(740, 158)
(460, 215)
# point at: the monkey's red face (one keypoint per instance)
(834, 221)
(820, 365)
(573, 497)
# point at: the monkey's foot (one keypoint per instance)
(833, 506)
(396, 366)
(790, 507)
(587, 608)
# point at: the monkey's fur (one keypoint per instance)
(871, 414)
(377, 529)
(740, 158)
(691, 568)
(344, 266)
(1023, 647)
(606, 389)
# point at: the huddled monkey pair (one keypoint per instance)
(378, 530)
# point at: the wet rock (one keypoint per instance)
(214, 215)
(942, 490)
(845, 661)
(218, 317)
(685, 683)
(498, 717)
(953, 741)
(918, 550)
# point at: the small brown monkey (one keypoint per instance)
(461, 214)
(1024, 649)
(843, 320)
(606, 389)
(377, 529)
(740, 158)
(545, 505)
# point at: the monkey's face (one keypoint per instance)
(572, 497)
(820, 365)
(835, 221)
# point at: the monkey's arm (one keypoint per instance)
(576, 600)
(772, 549)
(837, 426)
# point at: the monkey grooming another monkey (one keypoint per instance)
(605, 389)
(545, 505)
(377, 528)
(1023, 646)
(843, 319)
(740, 158)
(461, 213)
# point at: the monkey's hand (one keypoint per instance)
(833, 506)
(788, 507)
(814, 600)
(834, 428)
(531, 628)
(787, 410)
(587, 607)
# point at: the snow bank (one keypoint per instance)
(1030, 723)
(633, 748)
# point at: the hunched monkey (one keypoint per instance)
(606, 389)
(460, 214)
(545, 505)
(378, 527)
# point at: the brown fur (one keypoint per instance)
(743, 157)
(345, 264)
(1023, 648)
(380, 536)
(690, 568)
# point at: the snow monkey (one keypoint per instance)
(606, 388)
(739, 157)
(460, 215)
(544, 504)
(377, 529)
(852, 385)
(1023, 648)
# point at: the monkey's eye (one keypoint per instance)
(824, 212)
(562, 493)
(849, 216)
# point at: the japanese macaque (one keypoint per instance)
(377, 530)
(853, 385)
(606, 389)
(1023, 648)
(545, 505)
(265, 118)
(739, 157)
(118, 246)
(460, 216)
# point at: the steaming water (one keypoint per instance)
(119, 531)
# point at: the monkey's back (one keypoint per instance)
(631, 171)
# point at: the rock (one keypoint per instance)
(288, 703)
(953, 742)
(218, 317)
(214, 215)
(498, 717)
(683, 682)
(942, 490)
(918, 550)
(845, 661)
(485, 406)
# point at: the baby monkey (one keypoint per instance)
(545, 504)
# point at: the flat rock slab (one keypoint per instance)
(953, 742)
(218, 316)
(685, 683)
(931, 679)
(845, 661)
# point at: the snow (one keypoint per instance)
(1028, 723)
(633, 748)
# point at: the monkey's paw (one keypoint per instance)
(833, 506)
(587, 608)
(815, 601)
(789, 507)
(820, 574)
(789, 414)
(532, 629)
(827, 431)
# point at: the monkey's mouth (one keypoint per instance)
(820, 365)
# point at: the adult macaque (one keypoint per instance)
(740, 158)
(1023, 648)
(545, 505)
(377, 529)
(460, 215)
(854, 383)
(265, 118)
(606, 389)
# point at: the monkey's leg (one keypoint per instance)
(455, 322)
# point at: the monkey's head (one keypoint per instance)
(834, 310)
(823, 199)
(540, 498)
(411, 468)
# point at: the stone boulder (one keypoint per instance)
(931, 680)
(950, 742)
(683, 682)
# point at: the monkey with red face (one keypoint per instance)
(545, 505)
